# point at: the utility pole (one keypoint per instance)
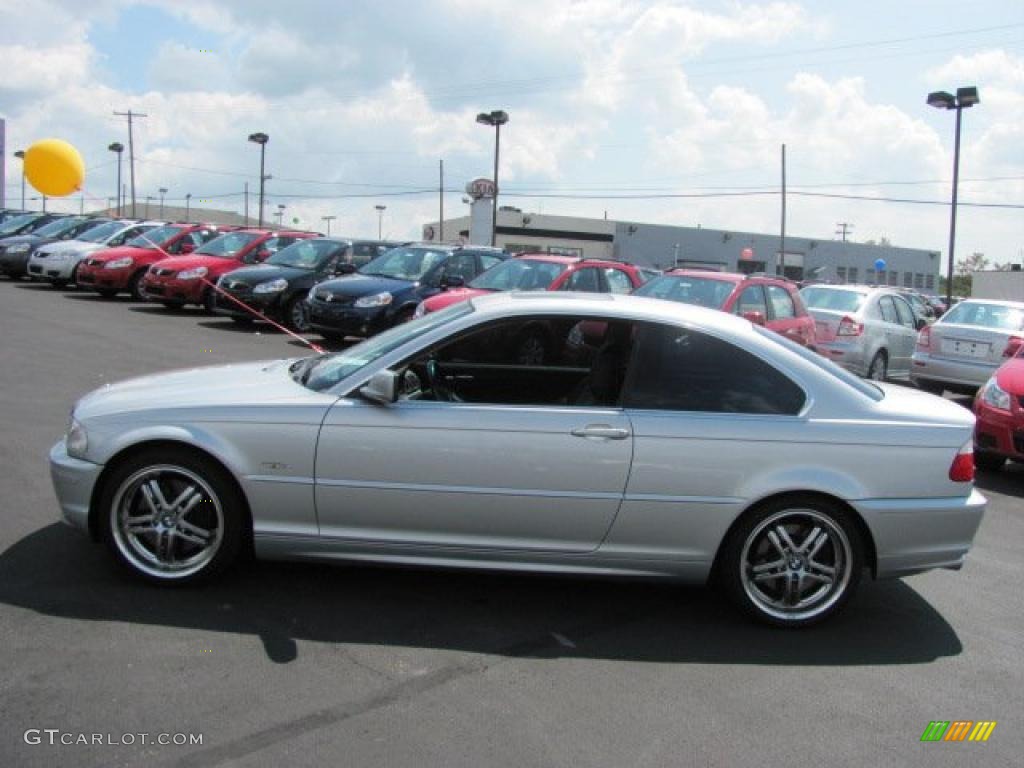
(131, 149)
(247, 203)
(844, 229)
(782, 248)
(440, 200)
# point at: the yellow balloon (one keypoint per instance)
(54, 167)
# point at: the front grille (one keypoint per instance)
(35, 269)
(334, 298)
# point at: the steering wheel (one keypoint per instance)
(442, 392)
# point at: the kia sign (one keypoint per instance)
(480, 188)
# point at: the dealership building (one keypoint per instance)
(665, 246)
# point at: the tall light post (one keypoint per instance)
(118, 147)
(328, 219)
(20, 154)
(964, 99)
(163, 191)
(497, 118)
(280, 215)
(188, 205)
(380, 220)
(261, 139)
(148, 198)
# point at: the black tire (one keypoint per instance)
(74, 274)
(209, 301)
(879, 368)
(296, 315)
(933, 387)
(220, 513)
(135, 286)
(175, 305)
(988, 462)
(744, 564)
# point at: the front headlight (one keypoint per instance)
(376, 300)
(193, 274)
(271, 286)
(995, 395)
(421, 310)
(127, 261)
(77, 441)
(19, 248)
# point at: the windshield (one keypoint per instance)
(155, 237)
(100, 232)
(83, 226)
(838, 299)
(405, 263)
(16, 223)
(227, 246)
(995, 316)
(861, 385)
(323, 373)
(702, 291)
(519, 275)
(305, 254)
(58, 227)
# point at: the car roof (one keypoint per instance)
(998, 302)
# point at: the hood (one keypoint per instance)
(7, 242)
(907, 404)
(453, 296)
(109, 254)
(190, 261)
(60, 246)
(364, 285)
(1010, 376)
(213, 387)
(261, 273)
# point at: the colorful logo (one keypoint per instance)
(958, 730)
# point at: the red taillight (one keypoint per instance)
(962, 468)
(1012, 345)
(849, 327)
(924, 338)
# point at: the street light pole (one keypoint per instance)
(380, 220)
(163, 191)
(328, 219)
(118, 147)
(965, 98)
(497, 118)
(261, 139)
(280, 215)
(20, 154)
(188, 205)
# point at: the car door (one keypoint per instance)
(895, 335)
(907, 333)
(509, 465)
(752, 299)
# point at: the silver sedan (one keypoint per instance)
(660, 441)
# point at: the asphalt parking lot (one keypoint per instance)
(302, 665)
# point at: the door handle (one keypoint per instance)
(601, 432)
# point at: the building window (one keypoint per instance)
(841, 274)
(871, 277)
(561, 250)
(894, 277)
(908, 279)
(852, 274)
(919, 281)
(929, 282)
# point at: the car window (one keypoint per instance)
(687, 289)
(751, 300)
(519, 275)
(461, 265)
(585, 280)
(904, 312)
(488, 260)
(618, 281)
(405, 263)
(885, 306)
(838, 299)
(362, 253)
(680, 369)
(781, 301)
(985, 315)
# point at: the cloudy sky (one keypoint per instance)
(650, 111)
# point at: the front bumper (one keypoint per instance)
(915, 535)
(349, 320)
(959, 373)
(265, 303)
(103, 279)
(1000, 432)
(172, 289)
(73, 482)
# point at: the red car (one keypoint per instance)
(999, 408)
(179, 280)
(542, 272)
(769, 301)
(118, 270)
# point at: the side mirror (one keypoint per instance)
(381, 388)
(755, 317)
(345, 268)
(452, 281)
(187, 247)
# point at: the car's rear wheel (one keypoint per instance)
(297, 315)
(793, 562)
(171, 518)
(990, 462)
(879, 368)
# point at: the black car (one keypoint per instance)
(9, 213)
(24, 223)
(277, 288)
(385, 291)
(16, 251)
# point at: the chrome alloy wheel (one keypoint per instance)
(796, 564)
(299, 316)
(167, 522)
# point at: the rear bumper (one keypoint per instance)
(73, 482)
(849, 356)
(915, 535)
(960, 373)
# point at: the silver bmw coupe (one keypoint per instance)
(654, 440)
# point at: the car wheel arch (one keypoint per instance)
(870, 553)
(168, 444)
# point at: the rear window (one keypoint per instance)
(995, 316)
(702, 291)
(816, 297)
(861, 385)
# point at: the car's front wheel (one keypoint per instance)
(170, 517)
(297, 315)
(793, 562)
